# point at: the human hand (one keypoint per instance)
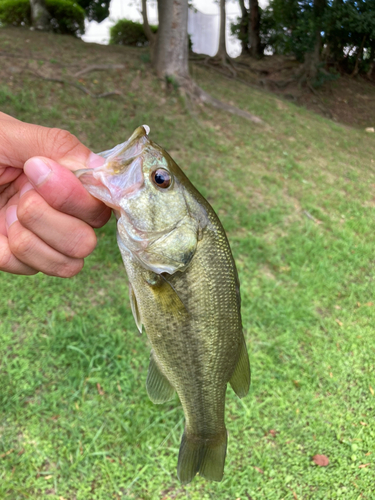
(46, 215)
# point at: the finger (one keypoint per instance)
(8, 175)
(20, 141)
(6, 117)
(34, 253)
(66, 234)
(9, 263)
(64, 192)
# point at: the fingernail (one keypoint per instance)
(36, 170)
(11, 215)
(95, 161)
(27, 187)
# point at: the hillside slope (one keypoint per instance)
(297, 200)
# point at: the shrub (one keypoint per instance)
(67, 17)
(126, 32)
(16, 12)
(95, 10)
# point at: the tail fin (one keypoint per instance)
(206, 457)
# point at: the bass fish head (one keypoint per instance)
(160, 214)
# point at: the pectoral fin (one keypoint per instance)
(158, 388)
(240, 380)
(167, 298)
(135, 310)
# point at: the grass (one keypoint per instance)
(297, 201)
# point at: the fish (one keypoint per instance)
(184, 290)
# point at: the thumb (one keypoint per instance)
(64, 192)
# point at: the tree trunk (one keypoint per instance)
(335, 45)
(148, 32)
(222, 50)
(171, 50)
(312, 59)
(39, 15)
(359, 57)
(372, 62)
(171, 55)
(254, 29)
(244, 27)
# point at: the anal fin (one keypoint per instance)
(158, 387)
(240, 380)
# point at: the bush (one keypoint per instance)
(67, 17)
(16, 12)
(126, 32)
(95, 10)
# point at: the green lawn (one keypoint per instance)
(297, 199)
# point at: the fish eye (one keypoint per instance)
(161, 178)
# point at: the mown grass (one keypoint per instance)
(297, 201)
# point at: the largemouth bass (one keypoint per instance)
(183, 289)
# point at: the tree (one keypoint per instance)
(146, 27)
(312, 57)
(171, 49)
(254, 29)
(295, 27)
(243, 27)
(248, 28)
(339, 33)
(335, 41)
(96, 10)
(221, 53)
(170, 55)
(40, 18)
(350, 35)
(289, 24)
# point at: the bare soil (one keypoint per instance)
(343, 98)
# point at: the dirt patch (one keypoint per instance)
(343, 99)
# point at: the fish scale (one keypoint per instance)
(183, 289)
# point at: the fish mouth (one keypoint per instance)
(121, 175)
(112, 188)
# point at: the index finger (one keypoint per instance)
(4, 116)
(20, 141)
